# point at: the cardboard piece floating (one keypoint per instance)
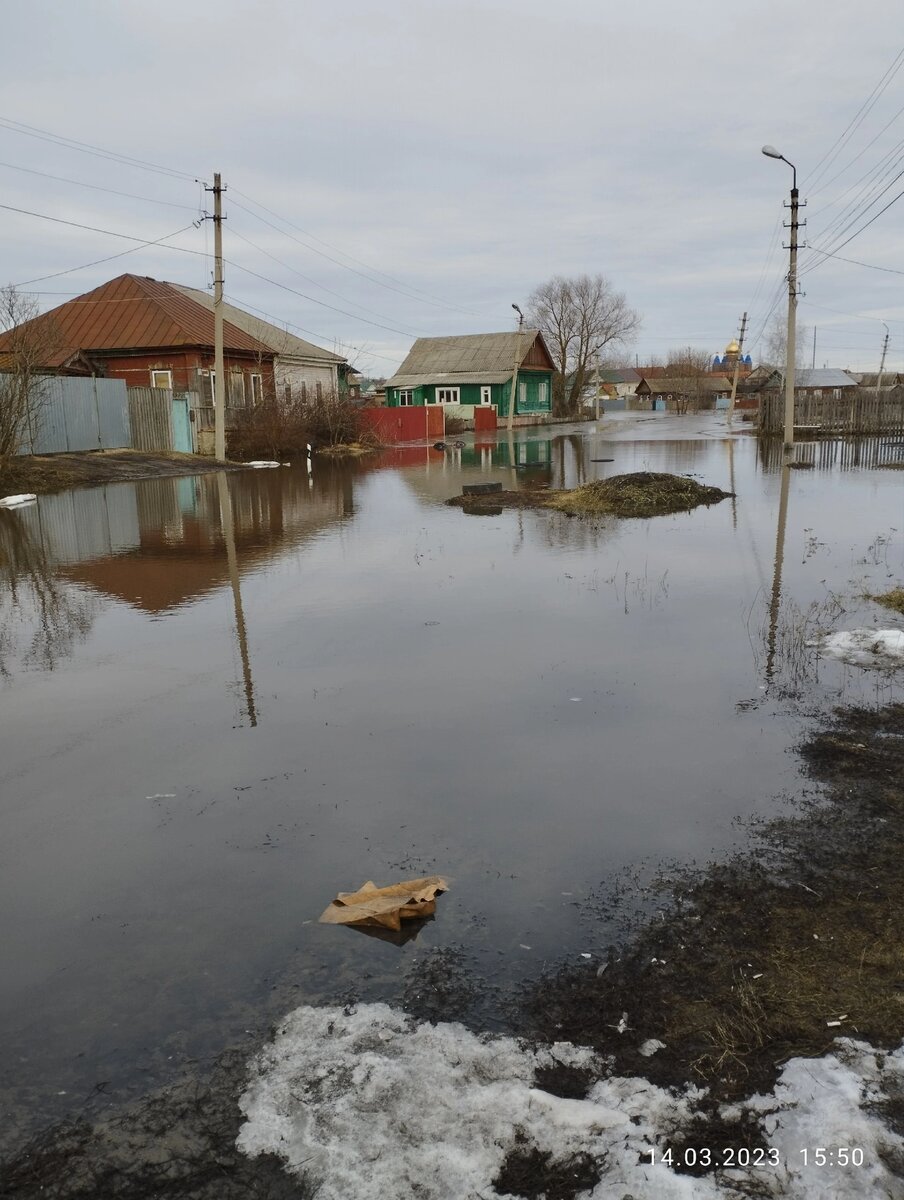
(386, 907)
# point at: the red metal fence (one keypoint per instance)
(406, 424)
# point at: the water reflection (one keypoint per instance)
(41, 619)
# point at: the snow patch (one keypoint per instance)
(864, 647)
(15, 501)
(368, 1103)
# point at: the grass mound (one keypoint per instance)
(893, 599)
(640, 494)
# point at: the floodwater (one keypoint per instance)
(225, 698)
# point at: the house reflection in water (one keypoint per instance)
(162, 544)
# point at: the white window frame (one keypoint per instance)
(543, 392)
(257, 389)
(522, 393)
(169, 377)
(448, 395)
(406, 397)
(486, 394)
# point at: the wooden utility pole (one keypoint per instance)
(219, 397)
(596, 372)
(737, 367)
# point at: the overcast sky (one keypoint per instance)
(423, 164)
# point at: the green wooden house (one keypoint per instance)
(474, 370)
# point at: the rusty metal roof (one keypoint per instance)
(134, 312)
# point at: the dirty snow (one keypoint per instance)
(260, 462)
(15, 501)
(864, 647)
(368, 1103)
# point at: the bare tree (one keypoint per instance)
(579, 318)
(27, 343)
(688, 371)
(775, 340)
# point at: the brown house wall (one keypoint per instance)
(136, 369)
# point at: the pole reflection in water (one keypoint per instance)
(226, 521)
(777, 573)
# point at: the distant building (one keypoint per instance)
(732, 356)
(476, 370)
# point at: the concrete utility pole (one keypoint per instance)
(219, 397)
(596, 372)
(514, 395)
(791, 346)
(737, 367)
(882, 364)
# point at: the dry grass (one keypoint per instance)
(893, 599)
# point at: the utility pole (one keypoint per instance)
(791, 346)
(813, 363)
(514, 395)
(219, 396)
(882, 364)
(737, 367)
(596, 371)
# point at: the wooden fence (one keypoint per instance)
(865, 412)
(151, 418)
(845, 453)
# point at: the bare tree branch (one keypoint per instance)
(579, 318)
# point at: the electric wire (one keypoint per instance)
(404, 290)
(234, 233)
(835, 149)
(86, 148)
(97, 261)
(96, 187)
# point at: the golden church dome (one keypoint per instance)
(732, 347)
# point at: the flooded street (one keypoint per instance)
(224, 699)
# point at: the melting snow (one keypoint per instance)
(864, 647)
(15, 501)
(369, 1104)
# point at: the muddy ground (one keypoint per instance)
(748, 962)
(56, 472)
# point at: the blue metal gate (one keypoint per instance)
(182, 439)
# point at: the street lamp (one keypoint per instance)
(791, 342)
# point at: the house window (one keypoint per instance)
(522, 394)
(319, 386)
(543, 392)
(449, 395)
(162, 379)
(406, 396)
(486, 395)
(257, 389)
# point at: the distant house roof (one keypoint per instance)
(870, 379)
(682, 384)
(823, 377)
(280, 341)
(471, 358)
(620, 375)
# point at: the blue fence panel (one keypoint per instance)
(73, 414)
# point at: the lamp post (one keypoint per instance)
(791, 344)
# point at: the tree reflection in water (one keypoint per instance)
(41, 619)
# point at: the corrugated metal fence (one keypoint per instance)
(151, 416)
(78, 414)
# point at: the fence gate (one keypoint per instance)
(182, 439)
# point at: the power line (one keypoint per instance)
(279, 262)
(91, 228)
(239, 303)
(86, 148)
(98, 261)
(97, 188)
(322, 303)
(857, 232)
(856, 262)
(855, 122)
(404, 290)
